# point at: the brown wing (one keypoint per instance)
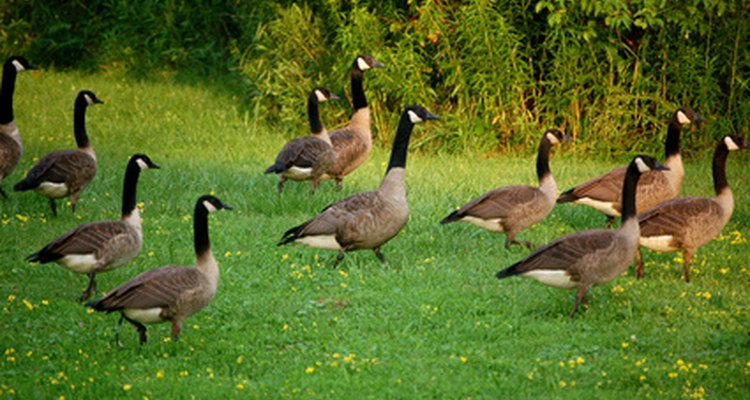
(606, 187)
(10, 154)
(673, 217)
(566, 251)
(653, 188)
(501, 202)
(302, 152)
(348, 148)
(87, 238)
(62, 166)
(158, 287)
(333, 217)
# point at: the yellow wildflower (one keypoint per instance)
(159, 374)
(309, 370)
(126, 387)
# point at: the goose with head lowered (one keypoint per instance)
(593, 257)
(11, 146)
(604, 192)
(64, 173)
(511, 209)
(687, 223)
(170, 293)
(352, 143)
(100, 246)
(307, 157)
(366, 220)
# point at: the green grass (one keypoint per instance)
(434, 322)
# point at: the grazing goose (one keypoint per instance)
(100, 246)
(170, 293)
(687, 223)
(307, 157)
(511, 209)
(584, 259)
(352, 143)
(11, 147)
(366, 220)
(603, 192)
(65, 172)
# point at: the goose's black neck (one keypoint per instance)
(401, 143)
(358, 93)
(628, 191)
(313, 114)
(132, 173)
(542, 158)
(672, 144)
(79, 122)
(200, 230)
(719, 167)
(6, 93)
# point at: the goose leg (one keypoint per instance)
(524, 243)
(339, 184)
(176, 328)
(580, 297)
(314, 185)
(53, 206)
(91, 289)
(610, 222)
(74, 201)
(140, 328)
(118, 343)
(687, 255)
(280, 185)
(380, 255)
(638, 264)
(339, 257)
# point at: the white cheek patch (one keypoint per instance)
(210, 207)
(731, 145)
(552, 139)
(320, 96)
(19, 67)
(362, 64)
(88, 98)
(141, 164)
(641, 165)
(413, 117)
(682, 118)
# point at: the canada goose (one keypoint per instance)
(687, 223)
(366, 220)
(11, 147)
(170, 293)
(352, 143)
(603, 192)
(65, 172)
(511, 209)
(587, 258)
(100, 246)
(307, 157)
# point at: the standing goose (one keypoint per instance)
(11, 147)
(100, 246)
(604, 192)
(170, 293)
(65, 172)
(352, 143)
(511, 209)
(688, 223)
(307, 157)
(370, 219)
(587, 258)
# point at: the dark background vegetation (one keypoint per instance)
(610, 72)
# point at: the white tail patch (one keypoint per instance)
(209, 207)
(492, 225)
(557, 278)
(642, 165)
(78, 263)
(731, 145)
(327, 242)
(682, 118)
(144, 315)
(606, 207)
(362, 64)
(19, 67)
(141, 164)
(52, 189)
(552, 139)
(298, 173)
(413, 117)
(661, 244)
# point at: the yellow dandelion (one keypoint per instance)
(184, 373)
(126, 387)
(309, 370)
(563, 384)
(624, 345)
(580, 360)
(463, 359)
(240, 360)
(22, 218)
(45, 302)
(28, 305)
(349, 358)
(159, 374)
(240, 386)
(285, 257)
(11, 298)
(673, 375)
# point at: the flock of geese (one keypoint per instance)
(644, 194)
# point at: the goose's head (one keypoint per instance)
(555, 137)
(685, 116)
(734, 142)
(647, 163)
(89, 97)
(323, 94)
(211, 204)
(363, 62)
(143, 162)
(19, 63)
(418, 114)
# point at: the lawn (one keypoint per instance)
(432, 323)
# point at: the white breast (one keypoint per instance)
(53, 190)
(78, 263)
(144, 316)
(658, 243)
(556, 278)
(492, 225)
(603, 206)
(327, 242)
